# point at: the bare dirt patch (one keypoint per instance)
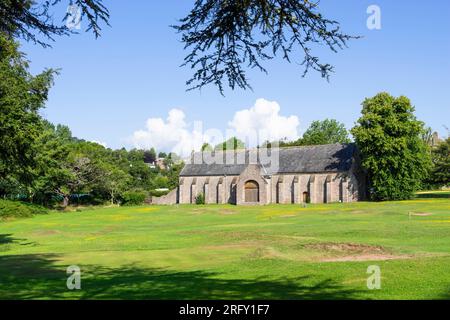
(365, 257)
(259, 253)
(199, 211)
(420, 214)
(227, 211)
(45, 232)
(345, 247)
(230, 246)
(340, 252)
(104, 231)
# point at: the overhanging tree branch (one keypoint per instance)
(226, 37)
(33, 21)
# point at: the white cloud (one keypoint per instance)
(262, 121)
(264, 118)
(172, 135)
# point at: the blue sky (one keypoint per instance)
(109, 87)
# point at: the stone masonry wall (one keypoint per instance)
(288, 188)
(170, 198)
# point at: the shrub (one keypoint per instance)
(19, 209)
(158, 193)
(132, 198)
(86, 199)
(200, 199)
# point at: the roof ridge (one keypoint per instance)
(317, 145)
(281, 148)
(302, 159)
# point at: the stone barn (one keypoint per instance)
(310, 174)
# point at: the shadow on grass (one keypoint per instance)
(8, 239)
(433, 195)
(446, 295)
(37, 277)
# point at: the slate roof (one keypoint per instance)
(307, 159)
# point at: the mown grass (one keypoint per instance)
(228, 252)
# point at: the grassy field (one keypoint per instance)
(228, 252)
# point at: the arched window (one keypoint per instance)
(251, 191)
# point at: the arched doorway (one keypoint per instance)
(306, 198)
(251, 191)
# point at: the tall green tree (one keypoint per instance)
(68, 166)
(150, 155)
(440, 175)
(162, 155)
(78, 176)
(22, 95)
(173, 174)
(50, 173)
(328, 131)
(389, 137)
(115, 181)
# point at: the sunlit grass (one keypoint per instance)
(203, 252)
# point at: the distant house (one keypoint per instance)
(158, 163)
(313, 174)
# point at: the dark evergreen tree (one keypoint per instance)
(22, 95)
(225, 37)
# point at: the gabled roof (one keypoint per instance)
(307, 159)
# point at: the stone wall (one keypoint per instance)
(170, 198)
(319, 188)
(284, 189)
(217, 189)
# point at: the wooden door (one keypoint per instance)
(251, 192)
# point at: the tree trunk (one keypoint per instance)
(112, 197)
(65, 201)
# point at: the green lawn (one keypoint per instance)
(228, 252)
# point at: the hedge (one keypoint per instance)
(9, 209)
(132, 198)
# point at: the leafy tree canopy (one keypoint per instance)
(440, 175)
(230, 144)
(150, 156)
(393, 152)
(328, 131)
(22, 95)
(40, 162)
(325, 132)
